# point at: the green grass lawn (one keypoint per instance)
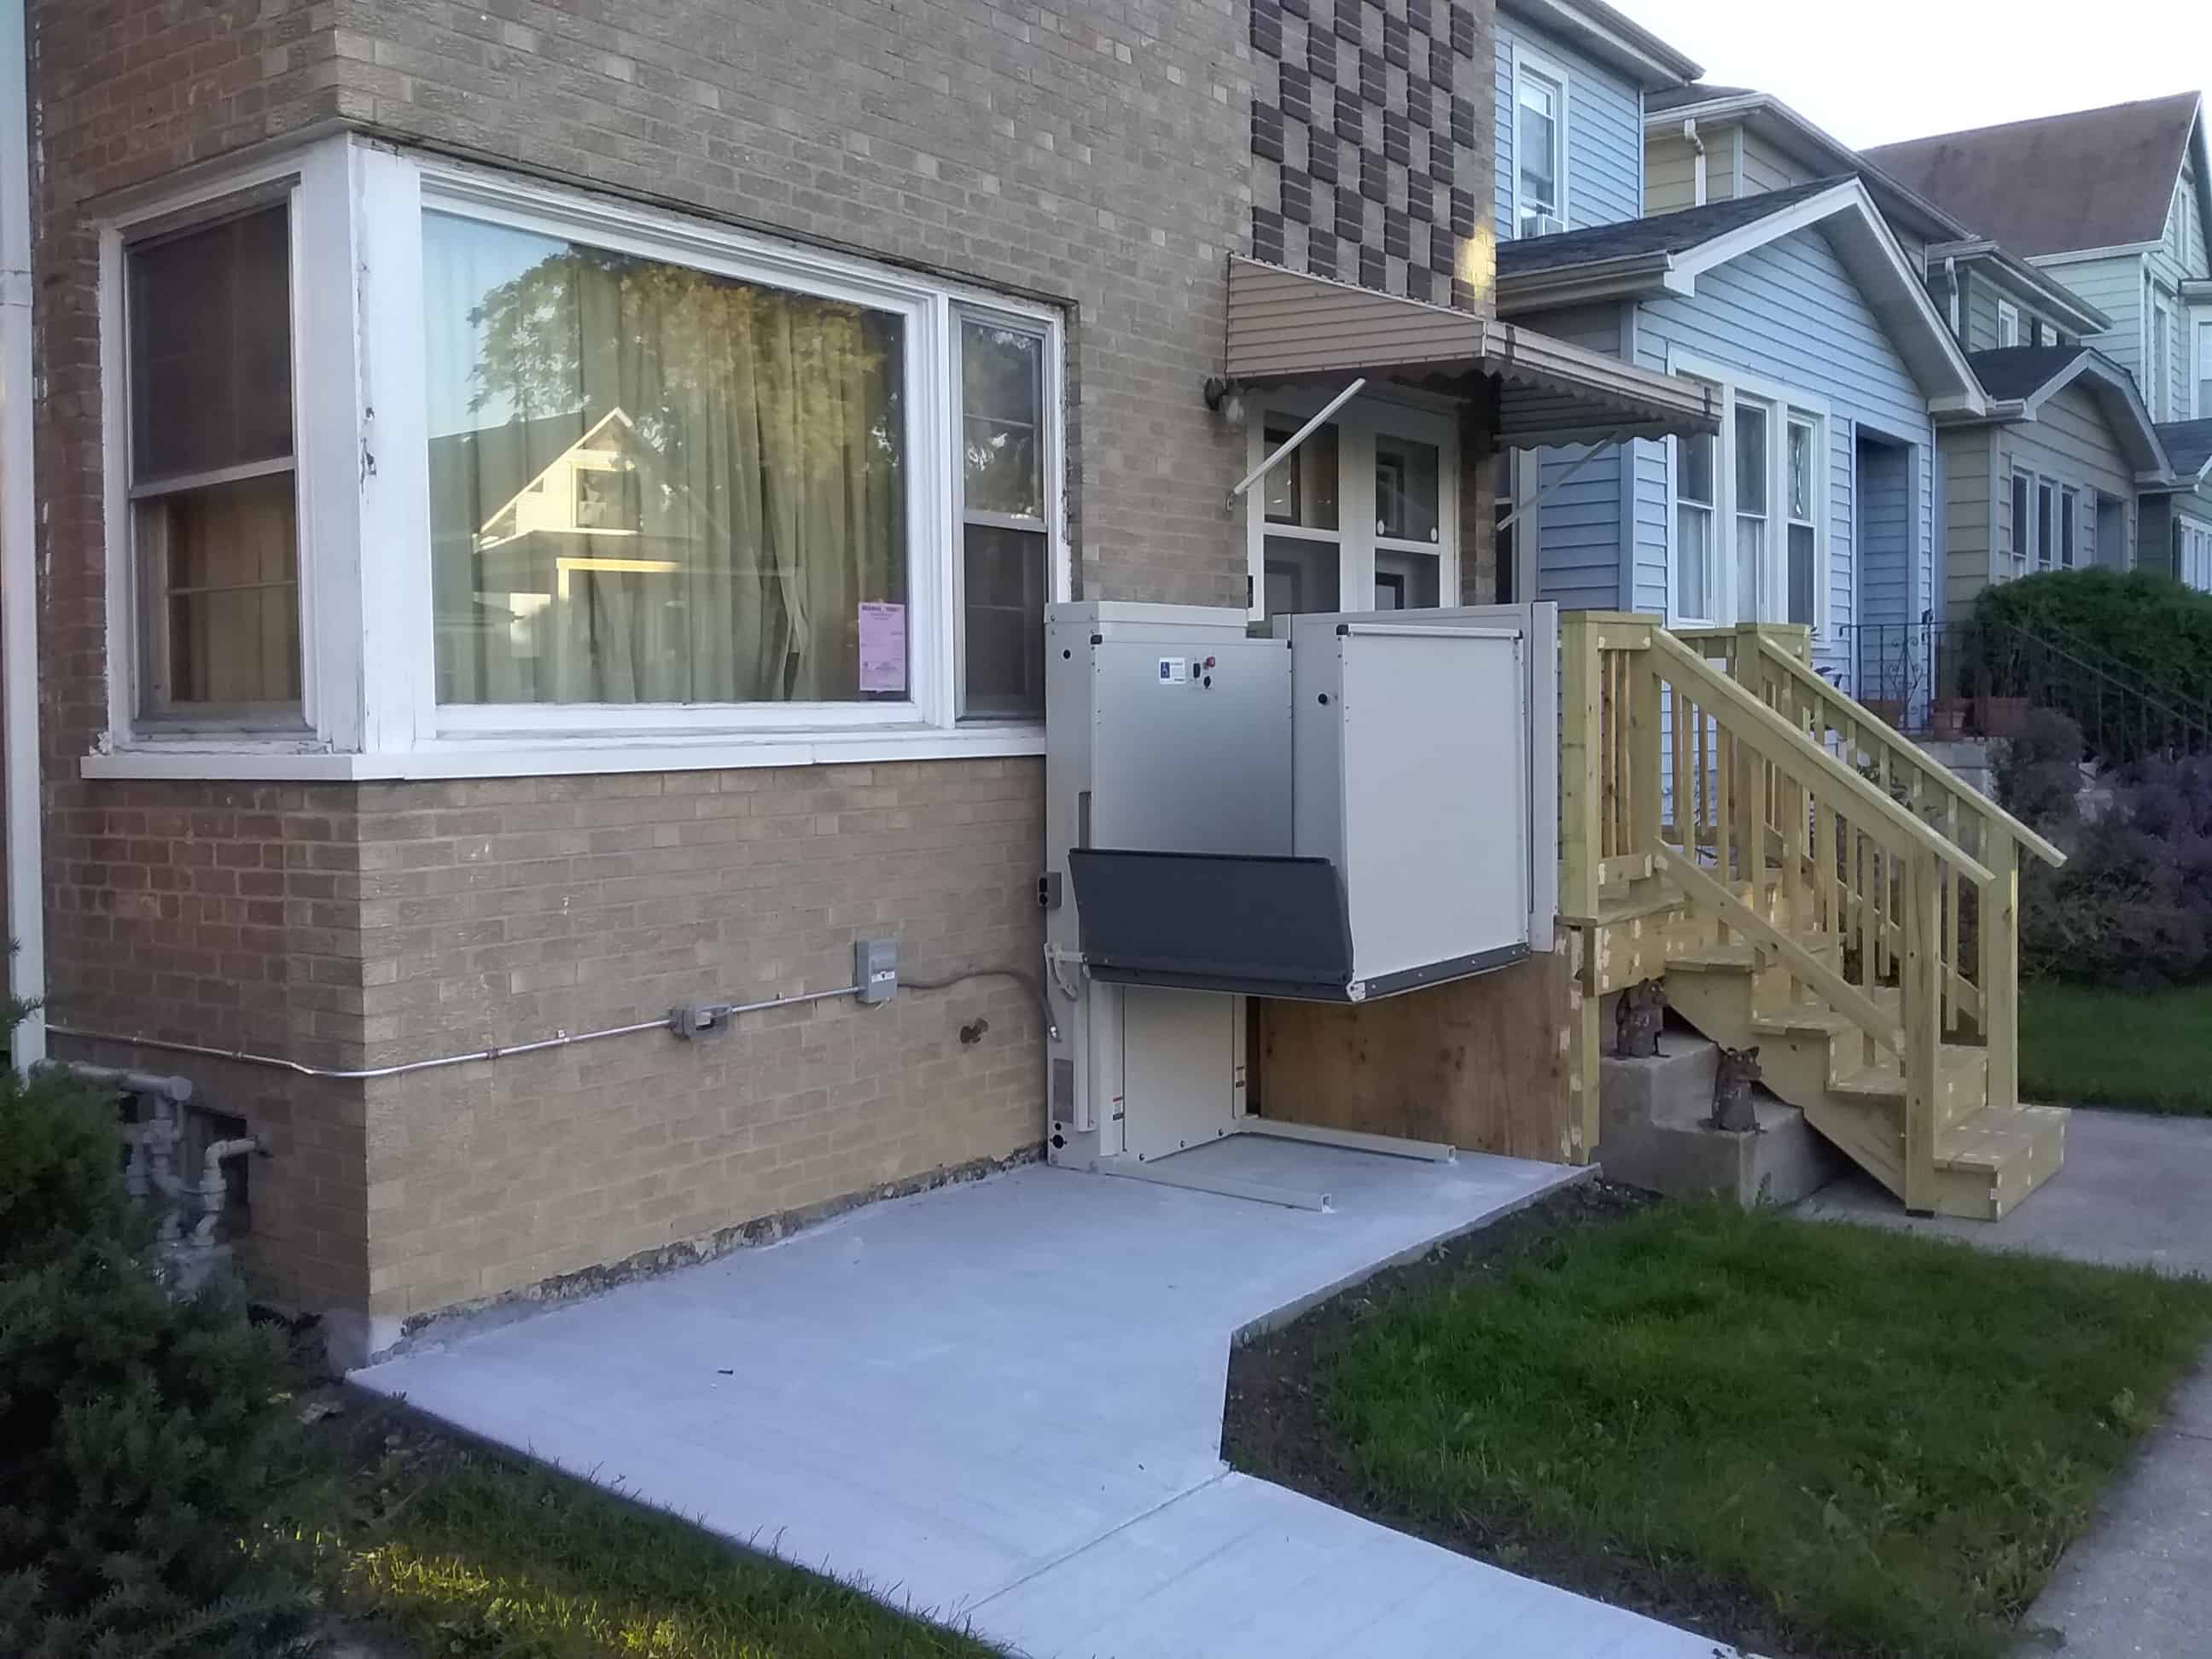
(1812, 1438)
(458, 1551)
(2086, 1046)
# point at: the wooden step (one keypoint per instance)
(1987, 1165)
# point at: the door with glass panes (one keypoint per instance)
(1362, 516)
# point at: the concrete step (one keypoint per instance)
(1654, 1133)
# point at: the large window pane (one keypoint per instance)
(1696, 481)
(1804, 566)
(751, 545)
(214, 517)
(1302, 576)
(1406, 581)
(211, 348)
(1002, 403)
(1751, 458)
(1693, 556)
(1405, 490)
(1537, 140)
(1004, 588)
(221, 562)
(1301, 488)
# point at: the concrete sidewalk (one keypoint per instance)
(2135, 1191)
(1001, 1404)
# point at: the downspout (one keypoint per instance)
(18, 560)
(1698, 168)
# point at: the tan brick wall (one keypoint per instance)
(1094, 156)
(497, 912)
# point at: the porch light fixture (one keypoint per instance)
(1225, 398)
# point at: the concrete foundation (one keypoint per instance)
(1653, 1134)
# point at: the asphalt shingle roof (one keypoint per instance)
(1660, 232)
(2013, 372)
(2188, 444)
(2093, 178)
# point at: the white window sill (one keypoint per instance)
(244, 761)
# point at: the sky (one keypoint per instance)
(1872, 71)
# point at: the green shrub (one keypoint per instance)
(145, 1444)
(2152, 625)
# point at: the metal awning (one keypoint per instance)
(1286, 326)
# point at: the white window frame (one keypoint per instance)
(2008, 324)
(2157, 355)
(1357, 424)
(2046, 523)
(2068, 554)
(361, 452)
(2200, 335)
(2193, 556)
(1785, 404)
(1714, 546)
(1528, 63)
(2019, 550)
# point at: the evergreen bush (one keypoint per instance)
(146, 1448)
(2149, 623)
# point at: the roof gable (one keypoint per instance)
(2188, 448)
(2021, 380)
(1666, 253)
(2102, 178)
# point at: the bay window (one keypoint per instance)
(570, 484)
(1377, 465)
(1749, 517)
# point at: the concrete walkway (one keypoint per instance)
(2135, 1191)
(1001, 1404)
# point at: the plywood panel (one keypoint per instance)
(1482, 1063)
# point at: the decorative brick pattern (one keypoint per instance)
(1364, 108)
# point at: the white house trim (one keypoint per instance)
(1527, 59)
(1783, 401)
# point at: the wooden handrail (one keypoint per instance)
(1845, 998)
(1783, 744)
(1968, 797)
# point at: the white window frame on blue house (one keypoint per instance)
(1784, 405)
(2008, 324)
(1527, 64)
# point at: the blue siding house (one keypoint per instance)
(1799, 306)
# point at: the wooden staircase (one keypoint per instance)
(1804, 881)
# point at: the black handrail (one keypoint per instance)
(1982, 678)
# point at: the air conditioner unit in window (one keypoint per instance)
(1540, 224)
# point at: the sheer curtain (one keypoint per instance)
(650, 485)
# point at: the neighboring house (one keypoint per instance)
(2048, 477)
(540, 524)
(2176, 516)
(1572, 78)
(1798, 306)
(2120, 211)
(1705, 143)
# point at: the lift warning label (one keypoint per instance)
(1175, 671)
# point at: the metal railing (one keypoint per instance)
(1968, 679)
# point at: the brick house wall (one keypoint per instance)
(1094, 156)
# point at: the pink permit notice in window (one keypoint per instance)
(883, 646)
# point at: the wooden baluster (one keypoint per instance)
(1827, 894)
(1582, 787)
(1885, 887)
(1642, 677)
(1999, 927)
(1951, 895)
(1922, 1006)
(1679, 746)
(1724, 806)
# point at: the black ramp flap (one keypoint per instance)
(1211, 921)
